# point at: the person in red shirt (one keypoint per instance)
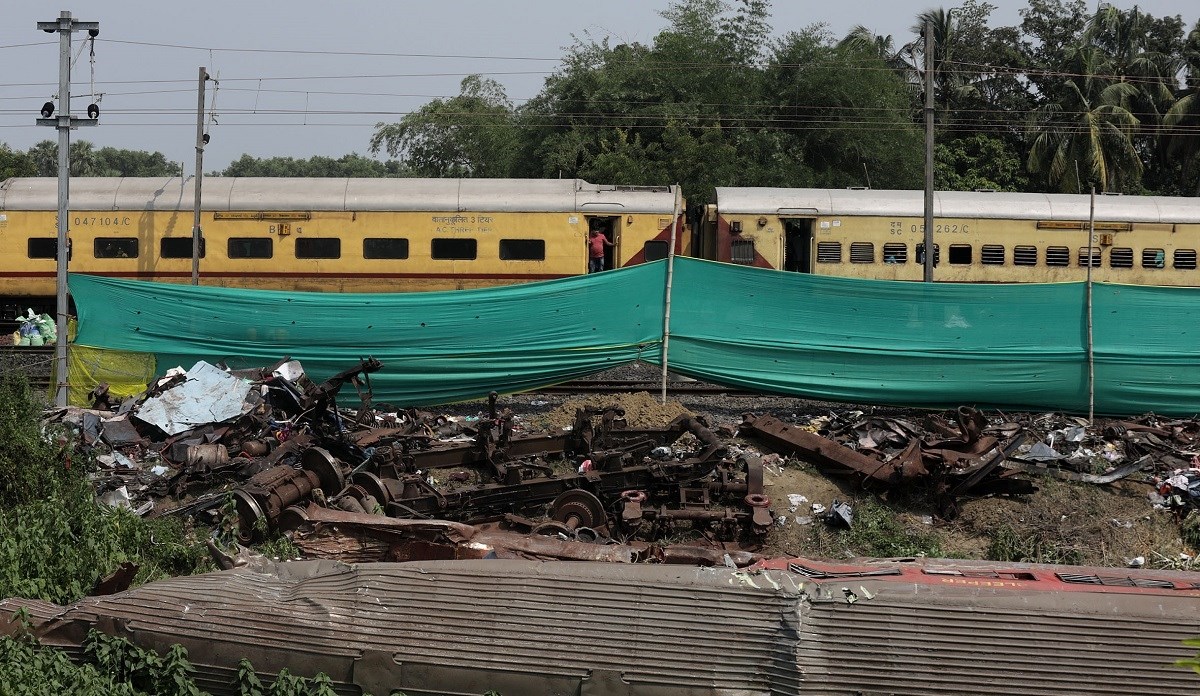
(596, 243)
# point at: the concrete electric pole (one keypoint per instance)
(929, 245)
(201, 141)
(65, 25)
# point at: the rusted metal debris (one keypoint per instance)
(962, 454)
(287, 450)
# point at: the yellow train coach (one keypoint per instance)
(978, 237)
(337, 235)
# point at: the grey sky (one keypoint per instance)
(271, 103)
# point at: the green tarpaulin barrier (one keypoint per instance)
(940, 345)
(436, 347)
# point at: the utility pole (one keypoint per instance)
(201, 141)
(929, 246)
(64, 122)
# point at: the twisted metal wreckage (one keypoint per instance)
(475, 511)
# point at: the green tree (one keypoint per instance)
(111, 161)
(15, 163)
(842, 114)
(45, 158)
(1182, 120)
(1086, 138)
(471, 135)
(352, 165)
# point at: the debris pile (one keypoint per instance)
(363, 483)
(374, 484)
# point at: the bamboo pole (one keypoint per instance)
(666, 332)
(1091, 356)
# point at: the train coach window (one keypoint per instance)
(453, 249)
(741, 251)
(1025, 256)
(116, 248)
(178, 248)
(1153, 258)
(961, 254)
(522, 250)
(42, 248)
(992, 254)
(1185, 259)
(1083, 257)
(895, 252)
(251, 247)
(385, 248)
(862, 252)
(657, 249)
(1058, 256)
(829, 252)
(319, 248)
(1120, 257)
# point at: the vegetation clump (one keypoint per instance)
(56, 541)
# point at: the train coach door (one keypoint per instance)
(607, 226)
(797, 244)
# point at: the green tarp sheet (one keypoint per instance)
(939, 345)
(436, 347)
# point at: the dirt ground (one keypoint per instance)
(1062, 522)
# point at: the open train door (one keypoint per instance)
(609, 226)
(798, 244)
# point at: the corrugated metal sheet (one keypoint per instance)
(954, 204)
(582, 628)
(249, 193)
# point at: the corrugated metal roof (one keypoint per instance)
(954, 204)
(248, 193)
(588, 628)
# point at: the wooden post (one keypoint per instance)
(667, 297)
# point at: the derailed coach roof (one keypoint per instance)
(953, 204)
(517, 627)
(527, 627)
(390, 194)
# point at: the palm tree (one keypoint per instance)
(1181, 124)
(1087, 136)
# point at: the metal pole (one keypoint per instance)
(64, 197)
(64, 122)
(196, 238)
(929, 247)
(667, 297)
(1091, 356)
